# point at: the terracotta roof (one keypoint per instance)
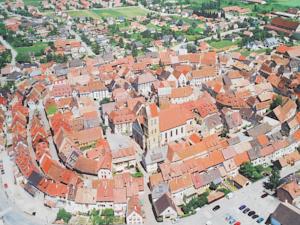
(241, 158)
(180, 183)
(208, 71)
(181, 92)
(173, 117)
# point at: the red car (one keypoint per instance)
(237, 223)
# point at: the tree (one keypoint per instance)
(134, 51)
(104, 101)
(213, 186)
(274, 179)
(253, 173)
(276, 102)
(63, 215)
(121, 43)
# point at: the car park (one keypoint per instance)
(260, 219)
(246, 210)
(242, 207)
(216, 208)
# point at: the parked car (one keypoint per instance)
(237, 223)
(242, 207)
(255, 216)
(246, 210)
(251, 213)
(264, 195)
(260, 219)
(216, 208)
(228, 217)
(232, 221)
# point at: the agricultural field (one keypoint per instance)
(29, 2)
(127, 12)
(35, 48)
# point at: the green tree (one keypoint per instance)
(253, 173)
(134, 51)
(104, 101)
(276, 102)
(121, 43)
(63, 215)
(274, 178)
(213, 186)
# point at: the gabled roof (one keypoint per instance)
(163, 203)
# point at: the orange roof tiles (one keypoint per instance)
(241, 158)
(263, 139)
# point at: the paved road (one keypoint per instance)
(12, 50)
(77, 37)
(46, 125)
(15, 216)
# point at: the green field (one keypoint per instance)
(289, 3)
(35, 48)
(127, 12)
(29, 2)
(221, 44)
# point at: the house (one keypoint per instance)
(179, 76)
(181, 186)
(151, 158)
(271, 42)
(211, 124)
(240, 181)
(143, 83)
(165, 208)
(159, 190)
(123, 159)
(285, 214)
(203, 75)
(181, 95)
(134, 211)
(286, 111)
(120, 121)
(289, 192)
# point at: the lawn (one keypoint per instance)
(246, 52)
(51, 109)
(289, 3)
(127, 12)
(35, 48)
(221, 44)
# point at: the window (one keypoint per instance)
(181, 129)
(176, 131)
(171, 133)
